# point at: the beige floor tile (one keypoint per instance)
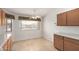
(33, 45)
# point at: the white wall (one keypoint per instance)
(49, 26)
(19, 34)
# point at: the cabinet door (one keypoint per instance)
(9, 44)
(58, 42)
(5, 47)
(71, 44)
(73, 17)
(0, 17)
(3, 18)
(61, 19)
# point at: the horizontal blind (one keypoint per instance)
(9, 16)
(28, 18)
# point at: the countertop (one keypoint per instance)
(70, 35)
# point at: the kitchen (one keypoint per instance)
(58, 25)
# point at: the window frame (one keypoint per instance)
(38, 26)
(8, 24)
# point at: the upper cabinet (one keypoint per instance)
(69, 18)
(61, 19)
(2, 18)
(73, 17)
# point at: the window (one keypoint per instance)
(9, 25)
(29, 25)
(9, 19)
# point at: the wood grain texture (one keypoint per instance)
(58, 42)
(61, 19)
(73, 17)
(71, 44)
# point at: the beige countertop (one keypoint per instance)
(70, 35)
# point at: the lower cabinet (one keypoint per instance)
(8, 45)
(5, 47)
(58, 42)
(66, 44)
(71, 44)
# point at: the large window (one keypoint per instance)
(30, 25)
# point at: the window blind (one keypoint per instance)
(9, 16)
(28, 18)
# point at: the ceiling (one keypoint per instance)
(29, 11)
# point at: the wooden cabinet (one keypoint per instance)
(69, 18)
(65, 44)
(71, 44)
(8, 45)
(58, 42)
(2, 18)
(73, 17)
(5, 46)
(61, 19)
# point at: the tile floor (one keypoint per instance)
(33, 45)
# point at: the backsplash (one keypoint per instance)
(68, 29)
